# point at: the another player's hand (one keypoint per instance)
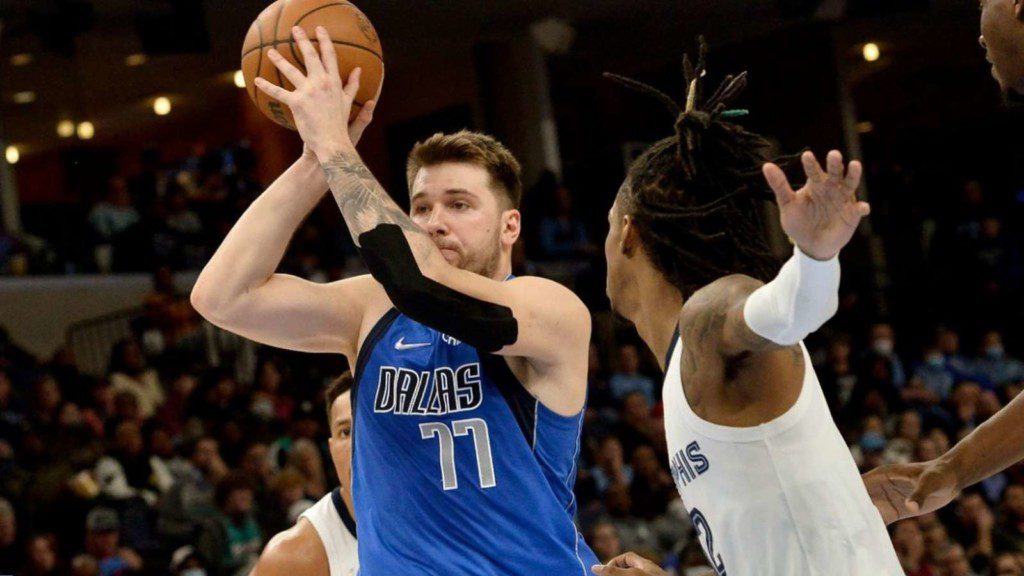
(321, 102)
(628, 564)
(906, 490)
(822, 216)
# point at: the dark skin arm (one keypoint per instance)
(720, 347)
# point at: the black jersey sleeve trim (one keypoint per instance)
(522, 404)
(346, 518)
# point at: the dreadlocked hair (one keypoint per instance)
(697, 197)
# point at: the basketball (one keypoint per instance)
(355, 42)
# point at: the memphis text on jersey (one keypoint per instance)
(688, 463)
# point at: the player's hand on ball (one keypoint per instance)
(321, 102)
(902, 491)
(628, 564)
(822, 216)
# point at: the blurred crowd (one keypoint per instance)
(177, 460)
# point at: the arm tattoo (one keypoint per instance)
(364, 203)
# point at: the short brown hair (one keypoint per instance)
(472, 148)
(336, 388)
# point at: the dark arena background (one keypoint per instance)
(131, 147)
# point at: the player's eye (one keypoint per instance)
(420, 210)
(459, 205)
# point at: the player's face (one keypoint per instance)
(455, 204)
(340, 442)
(618, 263)
(1002, 37)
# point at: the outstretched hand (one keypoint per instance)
(822, 216)
(902, 491)
(320, 103)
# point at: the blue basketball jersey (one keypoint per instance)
(457, 469)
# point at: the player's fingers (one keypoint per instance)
(327, 53)
(293, 74)
(274, 91)
(352, 84)
(834, 165)
(363, 119)
(811, 167)
(310, 59)
(853, 174)
(779, 183)
(614, 571)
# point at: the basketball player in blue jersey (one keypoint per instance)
(323, 540)
(769, 483)
(469, 384)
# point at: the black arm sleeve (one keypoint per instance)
(484, 325)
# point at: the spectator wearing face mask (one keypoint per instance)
(186, 561)
(882, 345)
(993, 363)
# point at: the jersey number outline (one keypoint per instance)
(446, 449)
(701, 526)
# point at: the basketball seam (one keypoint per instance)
(277, 24)
(259, 64)
(307, 14)
(275, 43)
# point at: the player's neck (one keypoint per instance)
(657, 312)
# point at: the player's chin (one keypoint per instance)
(451, 256)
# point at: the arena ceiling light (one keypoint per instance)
(871, 52)
(26, 97)
(12, 155)
(135, 60)
(65, 128)
(239, 79)
(86, 130)
(162, 106)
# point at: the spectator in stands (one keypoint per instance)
(994, 364)
(41, 556)
(231, 542)
(9, 543)
(611, 468)
(12, 418)
(84, 565)
(635, 426)
(932, 381)
(114, 213)
(268, 402)
(1007, 564)
(190, 501)
(604, 540)
(652, 485)
(627, 377)
(563, 235)
(954, 562)
(128, 471)
(186, 561)
(882, 344)
(103, 543)
(1010, 531)
(908, 541)
(130, 373)
(305, 458)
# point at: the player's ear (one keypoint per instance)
(511, 226)
(630, 239)
(1018, 9)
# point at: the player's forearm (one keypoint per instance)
(254, 247)
(991, 448)
(802, 297)
(365, 205)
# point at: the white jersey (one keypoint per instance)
(337, 532)
(780, 499)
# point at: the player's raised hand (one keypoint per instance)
(822, 216)
(628, 564)
(320, 102)
(906, 490)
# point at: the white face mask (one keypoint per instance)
(882, 347)
(193, 572)
(935, 359)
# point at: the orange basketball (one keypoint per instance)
(355, 42)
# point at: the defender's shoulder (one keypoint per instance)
(297, 550)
